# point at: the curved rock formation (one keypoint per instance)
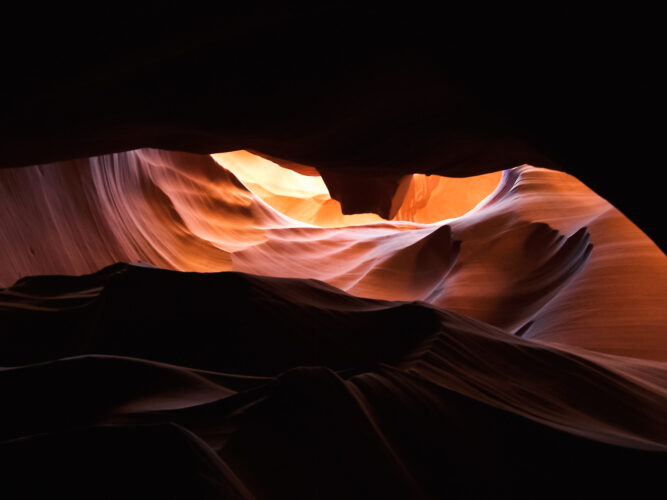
(509, 322)
(520, 260)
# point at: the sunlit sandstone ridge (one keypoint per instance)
(535, 252)
(183, 211)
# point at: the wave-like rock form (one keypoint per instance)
(521, 260)
(237, 385)
(489, 353)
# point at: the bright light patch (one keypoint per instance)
(306, 198)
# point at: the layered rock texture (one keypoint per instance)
(499, 333)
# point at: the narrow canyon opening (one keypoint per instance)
(306, 198)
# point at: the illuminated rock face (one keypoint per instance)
(529, 250)
(515, 315)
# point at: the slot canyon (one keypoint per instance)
(328, 253)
